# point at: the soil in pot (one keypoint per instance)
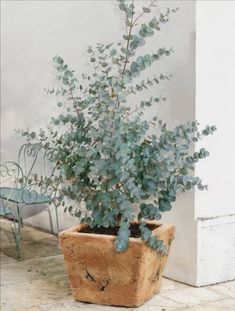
(134, 228)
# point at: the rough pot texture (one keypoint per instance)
(98, 274)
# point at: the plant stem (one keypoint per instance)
(133, 22)
(128, 40)
(138, 17)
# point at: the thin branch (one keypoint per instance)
(128, 39)
(133, 111)
(138, 17)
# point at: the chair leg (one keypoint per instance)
(50, 219)
(18, 240)
(17, 234)
(14, 229)
(57, 219)
(20, 218)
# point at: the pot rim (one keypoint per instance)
(75, 231)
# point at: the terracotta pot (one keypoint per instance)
(98, 274)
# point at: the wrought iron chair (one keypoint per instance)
(20, 188)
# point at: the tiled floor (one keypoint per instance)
(38, 282)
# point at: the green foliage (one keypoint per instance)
(102, 147)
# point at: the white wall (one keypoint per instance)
(215, 208)
(215, 58)
(35, 31)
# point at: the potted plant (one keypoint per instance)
(127, 173)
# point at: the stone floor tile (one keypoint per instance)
(31, 234)
(158, 303)
(220, 305)
(36, 249)
(11, 307)
(6, 238)
(33, 269)
(6, 259)
(168, 284)
(18, 307)
(46, 266)
(29, 309)
(192, 295)
(27, 233)
(12, 273)
(6, 243)
(72, 306)
(6, 235)
(6, 225)
(34, 293)
(3, 235)
(227, 288)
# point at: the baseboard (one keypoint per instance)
(215, 250)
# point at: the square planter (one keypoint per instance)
(98, 274)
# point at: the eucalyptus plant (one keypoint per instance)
(105, 149)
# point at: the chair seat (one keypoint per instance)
(23, 196)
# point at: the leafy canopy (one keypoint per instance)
(102, 145)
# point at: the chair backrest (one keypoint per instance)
(27, 158)
(11, 175)
(30, 173)
(36, 165)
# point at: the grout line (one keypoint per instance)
(218, 292)
(178, 282)
(172, 300)
(36, 279)
(208, 302)
(183, 289)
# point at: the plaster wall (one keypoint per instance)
(215, 71)
(215, 208)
